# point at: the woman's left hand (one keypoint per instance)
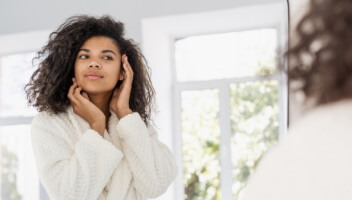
(121, 96)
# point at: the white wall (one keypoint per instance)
(30, 15)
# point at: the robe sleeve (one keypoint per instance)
(151, 162)
(77, 172)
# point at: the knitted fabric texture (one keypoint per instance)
(75, 162)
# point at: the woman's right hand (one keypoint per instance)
(83, 107)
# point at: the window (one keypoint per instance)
(220, 90)
(235, 74)
(226, 55)
(16, 70)
(18, 173)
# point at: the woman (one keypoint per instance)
(93, 137)
(315, 159)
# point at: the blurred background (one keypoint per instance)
(217, 68)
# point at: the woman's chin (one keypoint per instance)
(91, 91)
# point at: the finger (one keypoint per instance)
(128, 71)
(72, 88)
(128, 65)
(124, 58)
(71, 91)
(124, 90)
(114, 97)
(85, 95)
(77, 93)
(114, 94)
(123, 83)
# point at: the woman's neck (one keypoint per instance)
(102, 101)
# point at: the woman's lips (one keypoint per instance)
(93, 77)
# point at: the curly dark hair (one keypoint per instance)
(321, 60)
(49, 84)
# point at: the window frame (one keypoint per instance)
(13, 44)
(159, 35)
(223, 85)
(226, 178)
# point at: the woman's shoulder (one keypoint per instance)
(326, 116)
(49, 129)
(50, 120)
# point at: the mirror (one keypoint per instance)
(217, 68)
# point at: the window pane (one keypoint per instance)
(254, 127)
(200, 137)
(18, 173)
(227, 55)
(15, 71)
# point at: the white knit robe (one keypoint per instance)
(75, 162)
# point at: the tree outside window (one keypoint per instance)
(242, 67)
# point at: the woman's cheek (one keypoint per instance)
(111, 83)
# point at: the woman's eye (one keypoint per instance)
(83, 56)
(107, 57)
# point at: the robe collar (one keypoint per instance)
(81, 125)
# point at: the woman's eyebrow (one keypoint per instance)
(103, 51)
(107, 51)
(86, 50)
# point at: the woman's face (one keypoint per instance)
(97, 66)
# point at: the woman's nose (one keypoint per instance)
(94, 64)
